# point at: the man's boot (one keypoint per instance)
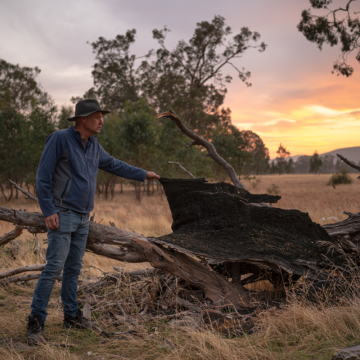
(78, 322)
(35, 330)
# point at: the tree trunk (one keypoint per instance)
(137, 190)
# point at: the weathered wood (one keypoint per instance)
(182, 168)
(116, 253)
(349, 226)
(22, 269)
(346, 161)
(11, 235)
(196, 274)
(28, 196)
(198, 140)
(27, 277)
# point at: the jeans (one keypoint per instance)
(66, 248)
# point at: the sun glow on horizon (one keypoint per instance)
(305, 129)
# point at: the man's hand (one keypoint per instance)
(52, 222)
(151, 176)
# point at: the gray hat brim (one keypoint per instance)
(104, 112)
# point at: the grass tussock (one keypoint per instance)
(298, 330)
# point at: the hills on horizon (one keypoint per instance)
(351, 153)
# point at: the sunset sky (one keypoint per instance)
(294, 99)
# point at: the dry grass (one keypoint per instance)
(309, 193)
(297, 331)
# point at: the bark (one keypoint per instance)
(27, 194)
(21, 270)
(27, 277)
(215, 287)
(347, 232)
(197, 140)
(182, 168)
(350, 226)
(214, 220)
(116, 253)
(11, 235)
(7, 199)
(346, 161)
(137, 190)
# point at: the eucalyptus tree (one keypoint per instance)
(315, 163)
(19, 89)
(335, 25)
(27, 115)
(189, 79)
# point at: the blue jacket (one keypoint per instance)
(66, 175)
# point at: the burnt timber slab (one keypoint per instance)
(214, 220)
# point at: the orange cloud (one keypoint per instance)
(317, 112)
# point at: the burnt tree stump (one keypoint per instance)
(217, 221)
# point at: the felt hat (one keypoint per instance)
(87, 107)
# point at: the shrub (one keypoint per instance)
(342, 177)
(273, 190)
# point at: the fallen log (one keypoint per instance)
(11, 235)
(349, 226)
(22, 269)
(27, 277)
(215, 286)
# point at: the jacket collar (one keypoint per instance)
(78, 135)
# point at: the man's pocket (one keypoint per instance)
(62, 211)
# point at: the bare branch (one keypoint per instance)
(11, 235)
(21, 278)
(26, 278)
(182, 168)
(27, 194)
(207, 145)
(22, 269)
(346, 161)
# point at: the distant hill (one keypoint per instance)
(351, 153)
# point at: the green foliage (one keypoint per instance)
(21, 144)
(315, 163)
(339, 178)
(336, 25)
(19, 89)
(188, 79)
(273, 190)
(62, 121)
(230, 144)
(27, 116)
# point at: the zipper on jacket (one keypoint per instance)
(66, 190)
(87, 171)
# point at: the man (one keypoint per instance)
(66, 183)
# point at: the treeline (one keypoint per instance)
(327, 164)
(188, 79)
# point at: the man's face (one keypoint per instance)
(94, 122)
